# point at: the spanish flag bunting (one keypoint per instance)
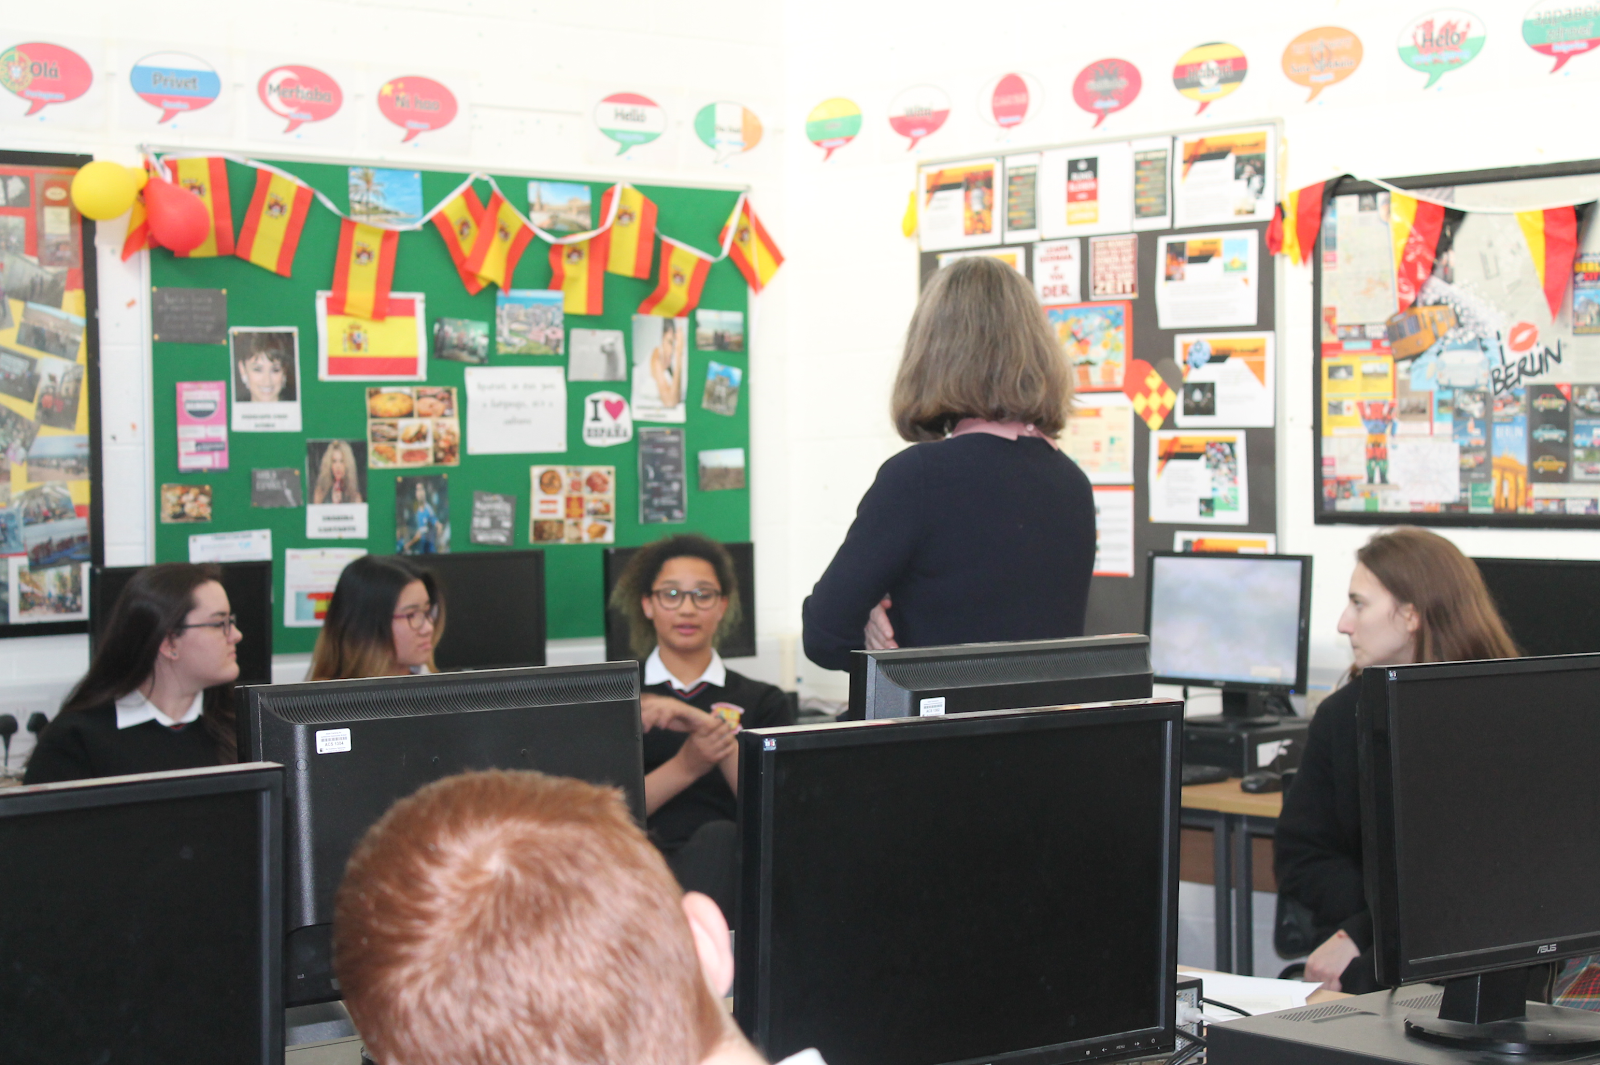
(363, 271)
(139, 236)
(362, 349)
(579, 271)
(1153, 399)
(271, 232)
(633, 231)
(458, 223)
(682, 276)
(752, 250)
(207, 178)
(1415, 226)
(502, 236)
(1295, 223)
(1552, 238)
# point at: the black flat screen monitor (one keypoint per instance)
(1480, 813)
(141, 918)
(740, 641)
(962, 678)
(353, 747)
(1235, 622)
(249, 588)
(1552, 607)
(494, 616)
(960, 889)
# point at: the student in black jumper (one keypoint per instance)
(679, 596)
(159, 693)
(1414, 597)
(982, 530)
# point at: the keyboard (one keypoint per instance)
(1203, 774)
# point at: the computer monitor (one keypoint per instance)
(494, 602)
(961, 678)
(353, 747)
(1551, 606)
(1235, 622)
(249, 588)
(990, 887)
(141, 917)
(1480, 838)
(740, 641)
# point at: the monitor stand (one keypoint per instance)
(1245, 710)
(1490, 1012)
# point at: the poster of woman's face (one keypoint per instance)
(337, 471)
(266, 379)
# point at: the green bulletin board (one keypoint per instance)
(257, 297)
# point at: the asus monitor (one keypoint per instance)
(249, 588)
(1551, 607)
(928, 891)
(494, 608)
(741, 639)
(353, 747)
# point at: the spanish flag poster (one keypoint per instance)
(360, 349)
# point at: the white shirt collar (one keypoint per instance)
(134, 709)
(655, 672)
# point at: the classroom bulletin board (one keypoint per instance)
(1150, 260)
(259, 299)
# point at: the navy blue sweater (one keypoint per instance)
(975, 538)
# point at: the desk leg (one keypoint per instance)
(1221, 882)
(1244, 951)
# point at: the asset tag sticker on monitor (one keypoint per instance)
(933, 707)
(333, 741)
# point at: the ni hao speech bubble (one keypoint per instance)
(417, 105)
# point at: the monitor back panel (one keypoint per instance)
(1551, 607)
(494, 608)
(249, 588)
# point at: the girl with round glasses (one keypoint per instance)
(680, 596)
(159, 692)
(385, 619)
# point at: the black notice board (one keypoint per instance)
(189, 315)
(663, 480)
(1116, 604)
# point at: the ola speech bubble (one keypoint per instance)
(44, 74)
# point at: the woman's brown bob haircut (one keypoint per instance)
(506, 917)
(1458, 621)
(979, 347)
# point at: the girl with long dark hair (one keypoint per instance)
(159, 693)
(385, 619)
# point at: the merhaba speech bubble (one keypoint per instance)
(727, 129)
(1441, 41)
(299, 94)
(417, 105)
(1106, 85)
(832, 124)
(1320, 57)
(630, 119)
(1562, 29)
(175, 82)
(44, 74)
(1209, 72)
(919, 112)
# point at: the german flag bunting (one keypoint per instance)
(207, 178)
(1416, 227)
(458, 223)
(579, 271)
(1552, 237)
(682, 276)
(363, 271)
(502, 237)
(271, 232)
(752, 251)
(1297, 221)
(633, 231)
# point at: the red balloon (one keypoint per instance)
(178, 219)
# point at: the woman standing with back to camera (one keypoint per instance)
(982, 530)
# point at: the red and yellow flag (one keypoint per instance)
(458, 223)
(1552, 238)
(752, 250)
(682, 276)
(1153, 399)
(633, 231)
(1297, 220)
(139, 236)
(579, 271)
(363, 271)
(271, 232)
(360, 349)
(502, 236)
(1415, 226)
(207, 178)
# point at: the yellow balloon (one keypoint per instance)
(103, 189)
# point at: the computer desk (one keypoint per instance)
(1233, 817)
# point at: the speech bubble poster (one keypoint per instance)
(1440, 42)
(1561, 29)
(416, 112)
(918, 113)
(51, 83)
(725, 131)
(158, 87)
(301, 102)
(634, 124)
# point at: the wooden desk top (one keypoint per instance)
(1226, 797)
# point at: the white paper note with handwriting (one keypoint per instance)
(515, 410)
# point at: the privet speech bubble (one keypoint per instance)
(175, 82)
(300, 94)
(630, 119)
(1441, 41)
(1106, 85)
(1208, 72)
(1321, 57)
(416, 105)
(44, 74)
(919, 112)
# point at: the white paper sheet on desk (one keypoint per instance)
(1258, 994)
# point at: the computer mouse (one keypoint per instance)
(1262, 780)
